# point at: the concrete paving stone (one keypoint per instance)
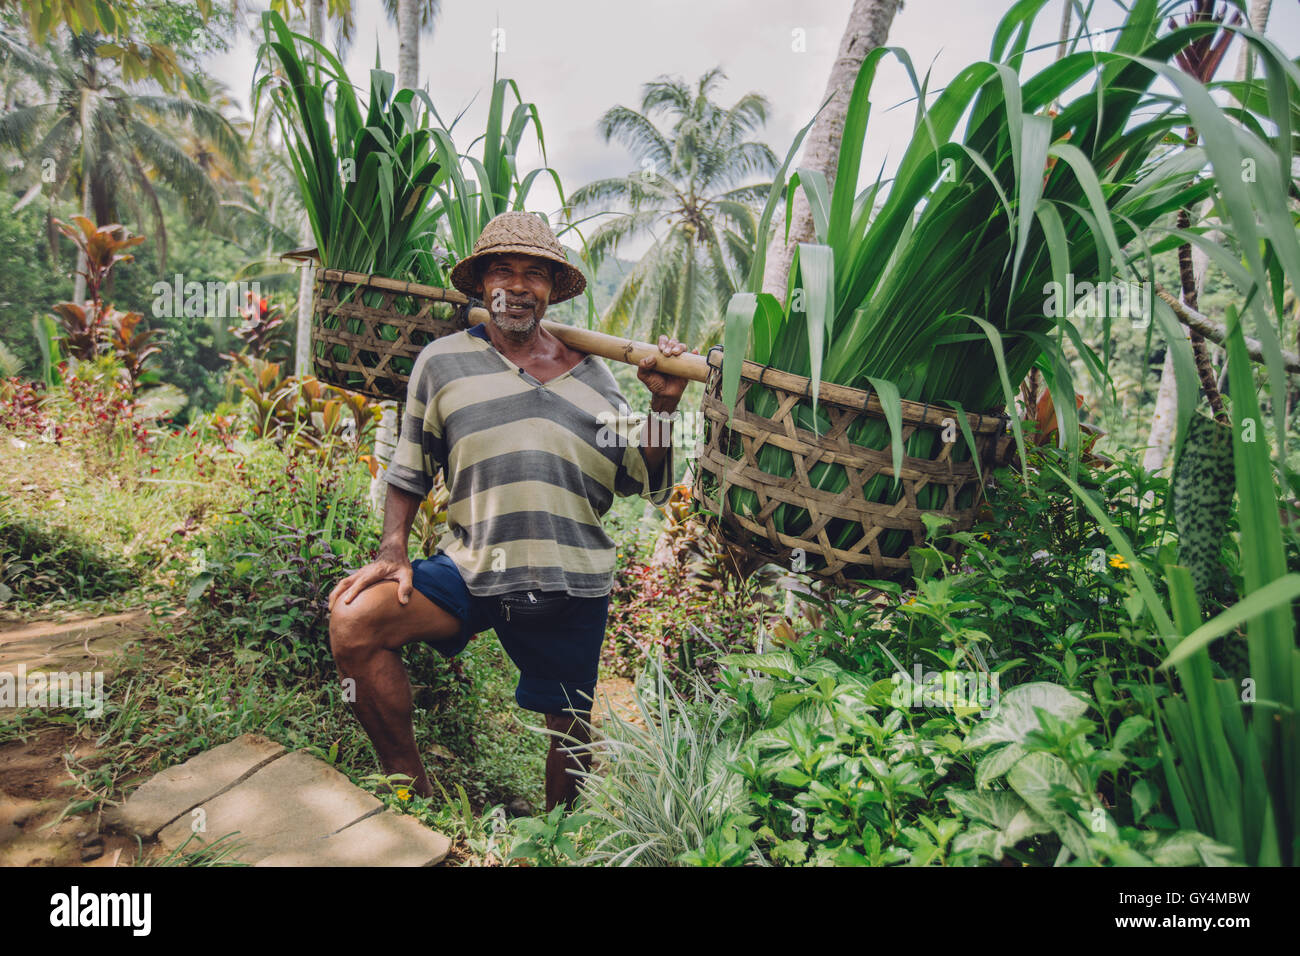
(292, 800)
(385, 839)
(173, 793)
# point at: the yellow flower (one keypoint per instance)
(1117, 561)
(909, 601)
(984, 537)
(403, 793)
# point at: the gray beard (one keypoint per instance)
(515, 328)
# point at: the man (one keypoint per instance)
(520, 423)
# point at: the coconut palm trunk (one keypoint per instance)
(1163, 418)
(868, 28)
(408, 44)
(79, 280)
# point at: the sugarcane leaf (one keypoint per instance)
(963, 421)
(755, 281)
(813, 182)
(1037, 136)
(1270, 635)
(815, 265)
(735, 339)
(849, 160)
(1061, 382)
(1279, 593)
(999, 356)
(768, 318)
(887, 392)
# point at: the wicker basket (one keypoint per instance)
(367, 330)
(847, 537)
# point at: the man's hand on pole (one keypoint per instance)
(666, 390)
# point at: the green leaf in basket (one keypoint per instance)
(887, 392)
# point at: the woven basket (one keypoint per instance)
(367, 330)
(847, 537)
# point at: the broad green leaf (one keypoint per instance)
(1016, 713)
(1036, 779)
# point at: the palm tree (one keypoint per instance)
(867, 28)
(413, 18)
(690, 196)
(113, 143)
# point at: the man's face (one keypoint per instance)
(516, 290)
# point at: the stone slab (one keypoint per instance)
(385, 839)
(290, 801)
(173, 793)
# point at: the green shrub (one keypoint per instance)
(265, 577)
(39, 564)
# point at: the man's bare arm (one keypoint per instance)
(393, 562)
(657, 435)
(400, 508)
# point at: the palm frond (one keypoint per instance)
(638, 134)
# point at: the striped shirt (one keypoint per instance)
(530, 467)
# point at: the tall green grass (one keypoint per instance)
(387, 190)
(364, 177)
(1230, 752)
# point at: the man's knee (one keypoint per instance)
(353, 634)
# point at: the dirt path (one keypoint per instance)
(37, 784)
(35, 787)
(616, 694)
(86, 643)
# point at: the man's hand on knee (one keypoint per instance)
(385, 568)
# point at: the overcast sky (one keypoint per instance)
(576, 58)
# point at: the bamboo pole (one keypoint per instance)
(630, 351)
(687, 365)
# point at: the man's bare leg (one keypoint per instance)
(561, 786)
(366, 637)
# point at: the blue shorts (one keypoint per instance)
(552, 637)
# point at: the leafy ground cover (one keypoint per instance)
(999, 712)
(1003, 708)
(247, 527)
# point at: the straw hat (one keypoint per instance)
(522, 233)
